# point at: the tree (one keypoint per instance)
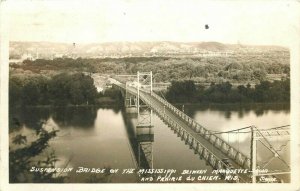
(261, 93)
(259, 74)
(15, 91)
(59, 89)
(22, 158)
(182, 91)
(30, 94)
(82, 89)
(76, 93)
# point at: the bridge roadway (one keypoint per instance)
(210, 147)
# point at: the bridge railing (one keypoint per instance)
(215, 140)
(218, 142)
(192, 141)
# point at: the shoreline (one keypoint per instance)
(207, 104)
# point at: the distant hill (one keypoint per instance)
(20, 50)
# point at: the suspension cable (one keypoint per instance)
(238, 130)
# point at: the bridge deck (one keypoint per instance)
(165, 114)
(212, 148)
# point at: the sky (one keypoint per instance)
(268, 22)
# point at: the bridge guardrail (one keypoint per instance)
(218, 142)
(197, 146)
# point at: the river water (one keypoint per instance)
(107, 138)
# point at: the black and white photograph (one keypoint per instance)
(149, 94)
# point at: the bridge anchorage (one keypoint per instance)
(218, 153)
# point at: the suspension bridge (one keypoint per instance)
(219, 154)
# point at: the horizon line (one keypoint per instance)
(155, 41)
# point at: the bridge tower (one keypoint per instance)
(263, 137)
(130, 101)
(141, 83)
(144, 128)
(144, 82)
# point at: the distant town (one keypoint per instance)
(20, 51)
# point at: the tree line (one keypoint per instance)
(62, 89)
(264, 92)
(78, 89)
(243, 68)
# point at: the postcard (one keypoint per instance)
(150, 95)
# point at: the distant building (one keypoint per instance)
(99, 89)
(15, 61)
(58, 56)
(27, 56)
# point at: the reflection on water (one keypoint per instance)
(240, 109)
(222, 118)
(30, 117)
(77, 117)
(82, 117)
(108, 137)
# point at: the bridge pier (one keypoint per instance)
(131, 110)
(145, 134)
